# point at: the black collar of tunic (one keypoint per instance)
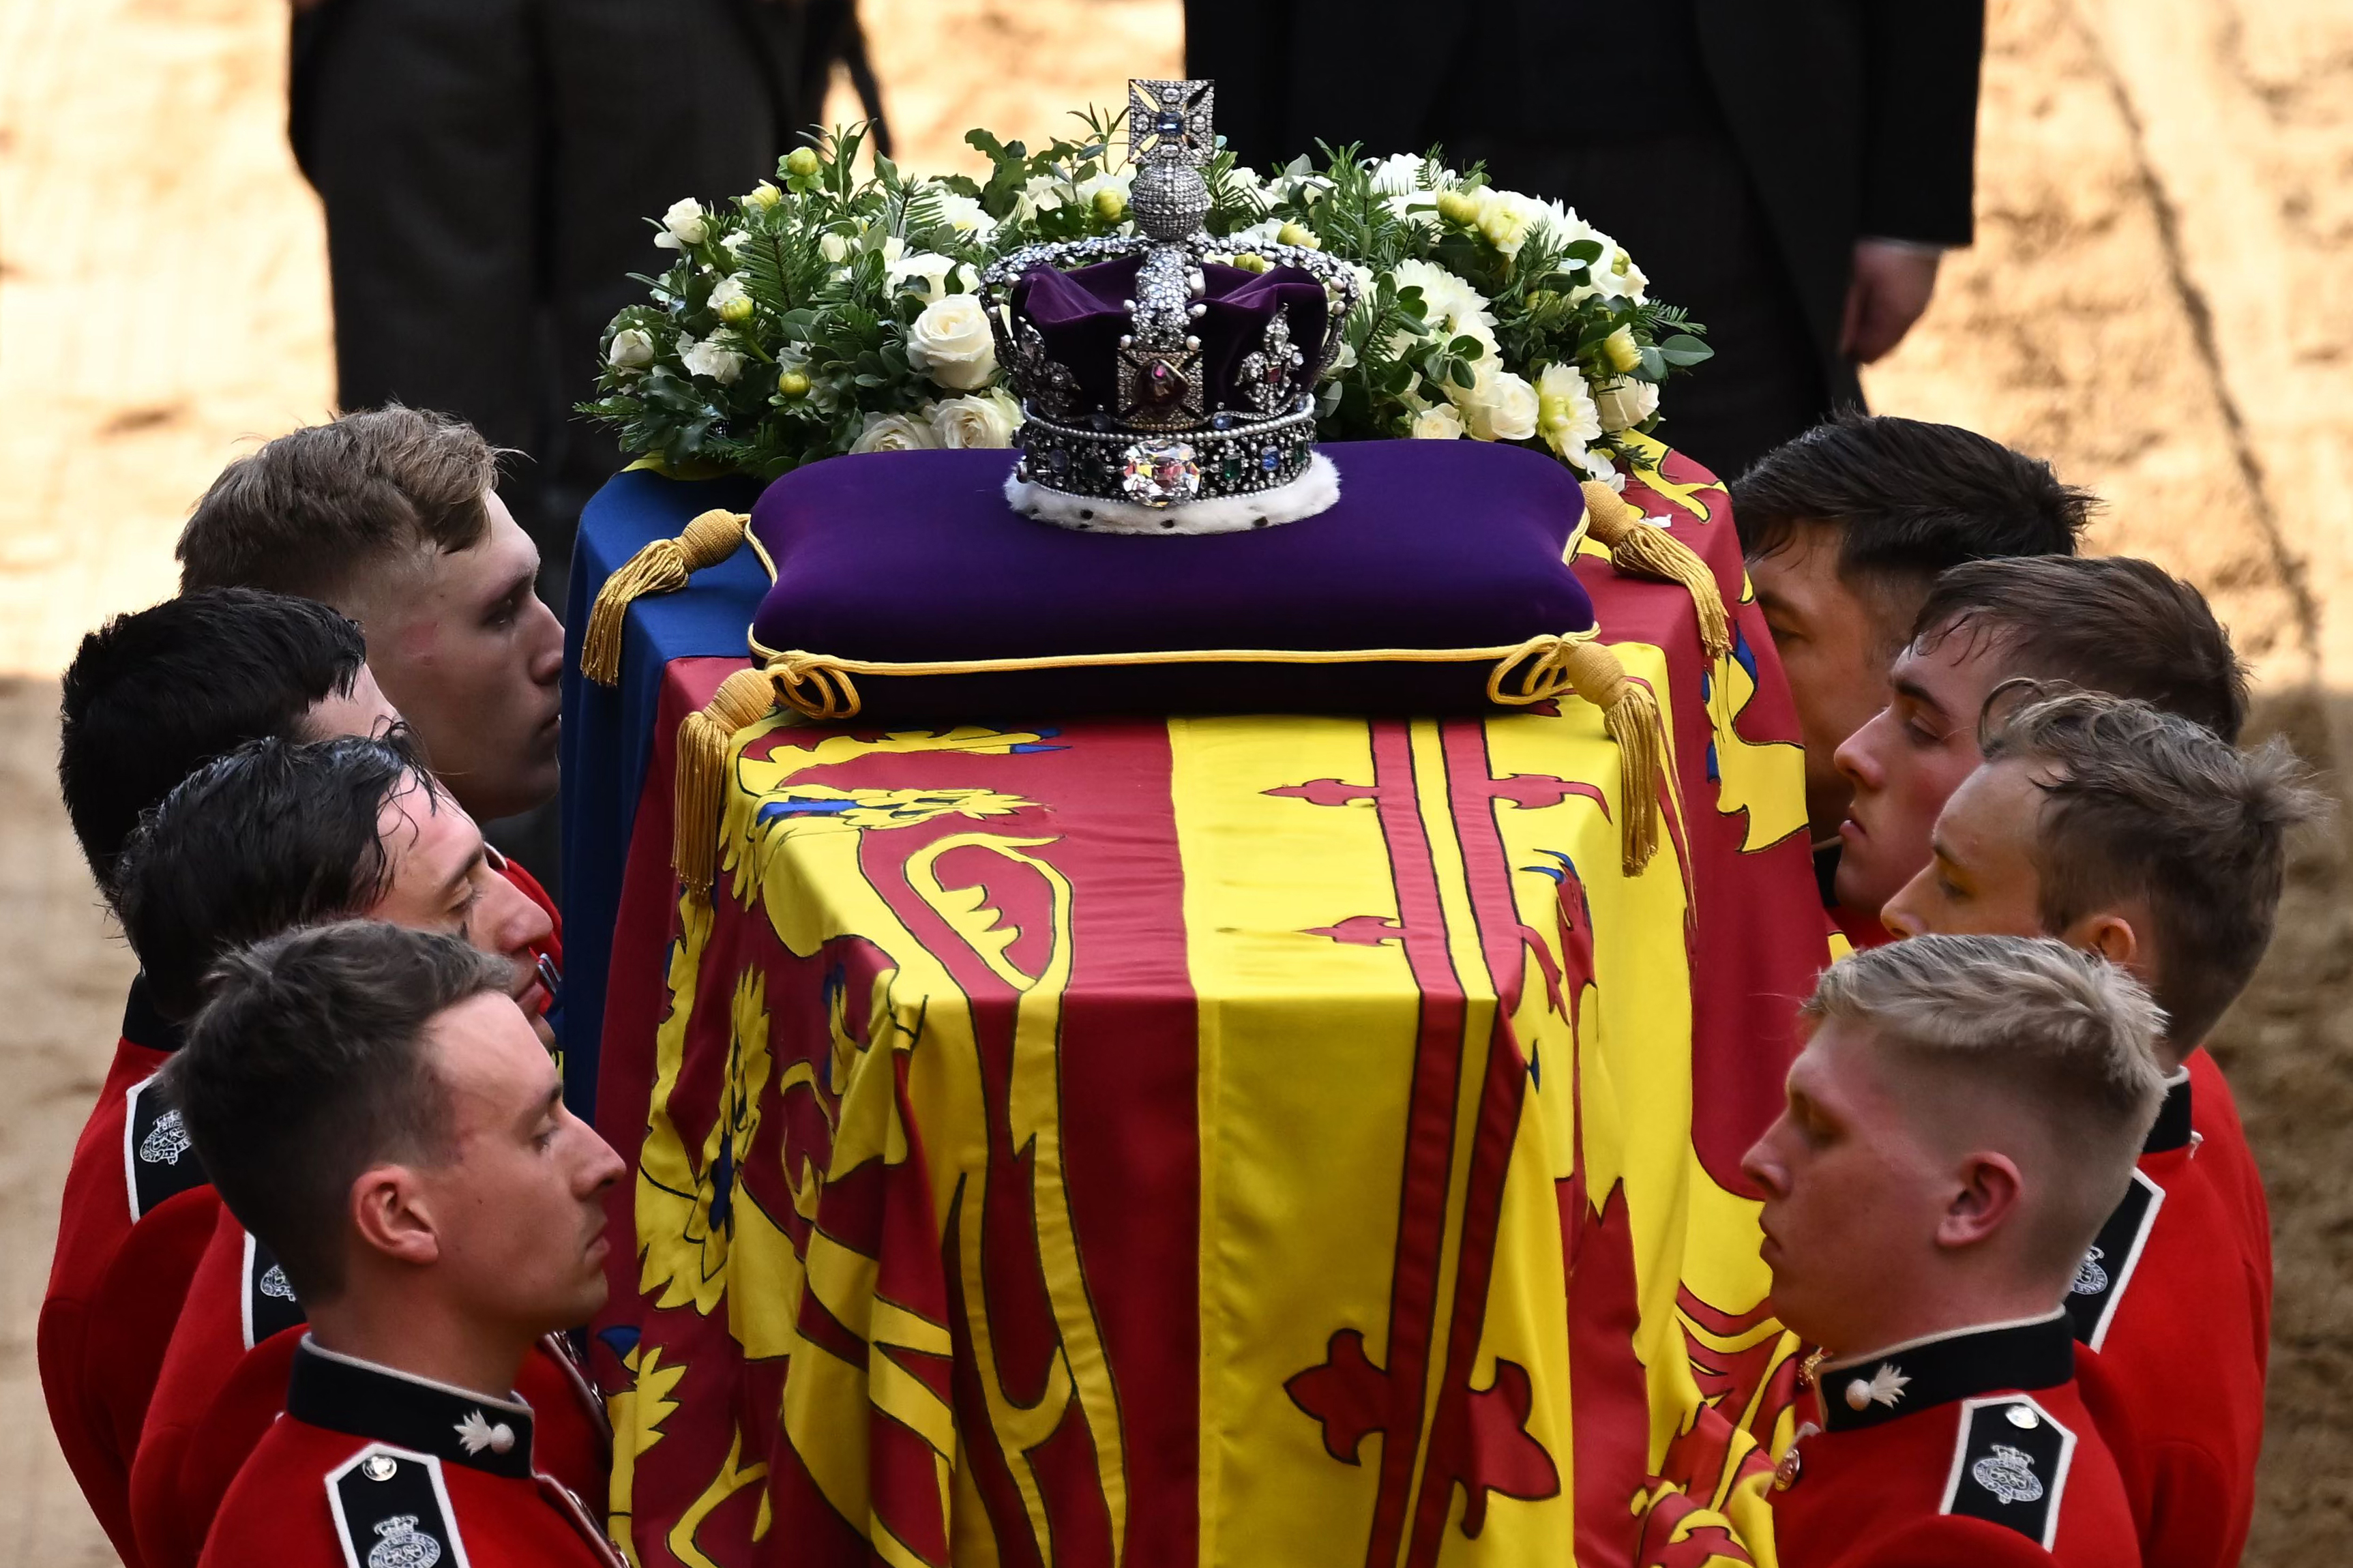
(143, 1024)
(1920, 1374)
(2172, 1128)
(344, 1394)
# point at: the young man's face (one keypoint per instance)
(364, 711)
(442, 880)
(1852, 1197)
(1982, 879)
(1834, 644)
(471, 658)
(519, 1206)
(1906, 761)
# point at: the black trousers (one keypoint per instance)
(487, 168)
(1684, 208)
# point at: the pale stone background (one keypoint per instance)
(2159, 301)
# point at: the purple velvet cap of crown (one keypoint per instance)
(914, 557)
(1082, 314)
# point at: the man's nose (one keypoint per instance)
(1857, 759)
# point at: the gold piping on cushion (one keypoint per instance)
(1546, 667)
(1640, 549)
(661, 567)
(706, 737)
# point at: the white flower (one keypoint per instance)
(950, 343)
(631, 349)
(1451, 308)
(985, 419)
(1439, 424)
(934, 273)
(712, 357)
(1506, 217)
(1397, 174)
(1501, 407)
(1566, 416)
(894, 433)
(1242, 177)
(1615, 276)
(966, 216)
(1626, 403)
(1256, 236)
(834, 248)
(1040, 194)
(729, 290)
(683, 225)
(734, 243)
(1561, 224)
(1122, 181)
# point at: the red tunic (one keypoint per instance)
(2181, 1277)
(135, 1217)
(224, 1383)
(1963, 1449)
(528, 885)
(369, 1465)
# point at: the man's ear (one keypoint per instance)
(388, 1208)
(2108, 934)
(1985, 1199)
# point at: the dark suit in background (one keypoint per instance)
(1738, 148)
(487, 168)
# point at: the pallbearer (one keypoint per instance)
(1962, 1119)
(378, 1113)
(2132, 833)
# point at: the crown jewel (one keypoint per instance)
(1154, 379)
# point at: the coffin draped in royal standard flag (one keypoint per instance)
(1155, 1142)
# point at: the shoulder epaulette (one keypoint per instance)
(2010, 1466)
(392, 1511)
(158, 1161)
(2107, 1268)
(269, 1300)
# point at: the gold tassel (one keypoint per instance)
(1640, 549)
(661, 567)
(706, 738)
(1543, 668)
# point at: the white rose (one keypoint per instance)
(834, 248)
(1626, 403)
(1439, 424)
(1124, 182)
(894, 433)
(729, 290)
(1453, 308)
(932, 272)
(733, 244)
(987, 419)
(631, 350)
(1565, 411)
(1040, 194)
(950, 343)
(1501, 407)
(683, 225)
(965, 215)
(711, 357)
(1256, 236)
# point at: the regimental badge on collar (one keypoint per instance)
(392, 1511)
(271, 1306)
(2108, 1269)
(158, 1161)
(2010, 1466)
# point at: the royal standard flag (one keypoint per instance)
(1206, 1140)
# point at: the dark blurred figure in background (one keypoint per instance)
(488, 167)
(1789, 170)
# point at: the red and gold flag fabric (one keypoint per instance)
(1203, 1140)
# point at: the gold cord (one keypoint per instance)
(661, 567)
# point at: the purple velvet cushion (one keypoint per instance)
(914, 557)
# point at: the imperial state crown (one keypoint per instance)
(1166, 392)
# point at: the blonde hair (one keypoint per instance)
(2065, 1036)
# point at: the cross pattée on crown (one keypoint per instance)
(1170, 121)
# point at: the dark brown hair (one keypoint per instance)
(2141, 803)
(309, 1065)
(1910, 498)
(2101, 622)
(315, 511)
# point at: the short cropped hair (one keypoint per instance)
(316, 510)
(1910, 498)
(153, 696)
(272, 836)
(309, 1065)
(2105, 622)
(2146, 805)
(2064, 1036)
